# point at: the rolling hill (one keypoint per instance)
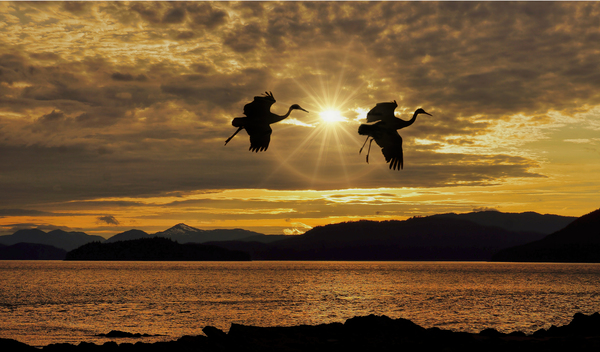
(428, 238)
(56, 238)
(578, 242)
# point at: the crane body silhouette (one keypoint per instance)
(384, 132)
(257, 120)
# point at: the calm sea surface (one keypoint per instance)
(43, 302)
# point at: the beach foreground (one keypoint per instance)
(374, 333)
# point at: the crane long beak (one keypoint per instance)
(303, 110)
(427, 113)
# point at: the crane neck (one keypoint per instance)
(413, 119)
(398, 123)
(277, 118)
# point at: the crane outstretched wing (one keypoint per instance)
(260, 136)
(391, 147)
(382, 112)
(260, 106)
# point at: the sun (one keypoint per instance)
(331, 116)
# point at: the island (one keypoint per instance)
(154, 249)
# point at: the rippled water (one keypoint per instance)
(43, 302)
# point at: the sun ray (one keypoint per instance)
(333, 125)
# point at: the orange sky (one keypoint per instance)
(113, 115)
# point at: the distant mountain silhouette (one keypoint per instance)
(56, 238)
(528, 221)
(428, 238)
(578, 242)
(31, 251)
(183, 233)
(127, 235)
(471, 236)
(151, 249)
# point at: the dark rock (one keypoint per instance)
(124, 334)
(374, 324)
(14, 345)
(491, 332)
(582, 324)
(214, 333)
(540, 333)
(60, 347)
(88, 347)
(110, 346)
(368, 333)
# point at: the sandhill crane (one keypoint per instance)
(258, 118)
(384, 132)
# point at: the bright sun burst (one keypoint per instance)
(331, 116)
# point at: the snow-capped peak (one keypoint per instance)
(182, 228)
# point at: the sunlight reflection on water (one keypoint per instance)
(43, 302)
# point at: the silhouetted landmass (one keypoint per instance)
(365, 333)
(56, 238)
(519, 222)
(124, 334)
(264, 238)
(578, 242)
(186, 234)
(430, 238)
(155, 249)
(31, 251)
(128, 235)
(183, 233)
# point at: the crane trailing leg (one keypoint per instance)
(361, 148)
(234, 133)
(369, 150)
(368, 130)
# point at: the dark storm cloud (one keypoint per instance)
(117, 76)
(76, 7)
(245, 39)
(174, 15)
(108, 219)
(204, 14)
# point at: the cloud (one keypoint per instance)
(22, 212)
(108, 219)
(478, 209)
(135, 99)
(297, 228)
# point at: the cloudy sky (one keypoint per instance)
(113, 115)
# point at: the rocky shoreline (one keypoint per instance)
(366, 333)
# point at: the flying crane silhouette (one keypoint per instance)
(258, 118)
(384, 132)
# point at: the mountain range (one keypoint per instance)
(427, 238)
(470, 236)
(577, 242)
(56, 238)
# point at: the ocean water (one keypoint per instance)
(43, 302)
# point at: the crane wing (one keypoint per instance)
(260, 136)
(260, 106)
(382, 112)
(391, 147)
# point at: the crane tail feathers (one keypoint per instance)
(365, 130)
(238, 122)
